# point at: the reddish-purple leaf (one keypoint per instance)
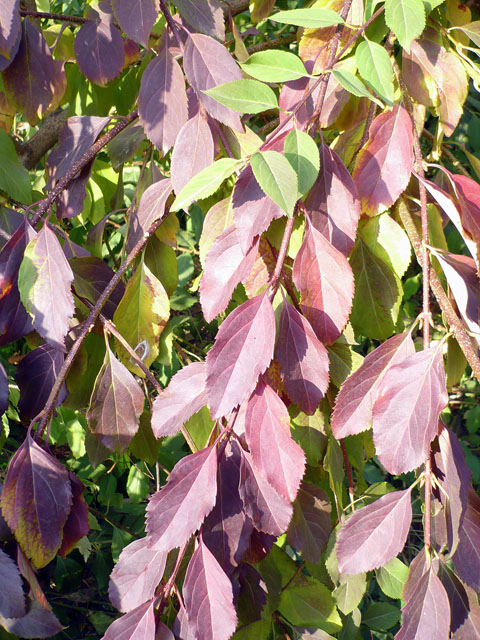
(150, 208)
(36, 375)
(193, 151)
(181, 627)
(36, 501)
(136, 575)
(208, 63)
(311, 523)
(3, 390)
(205, 16)
(274, 452)
(418, 568)
(464, 607)
(12, 599)
(116, 404)
(384, 164)
(325, 280)
(226, 530)
(468, 192)
(454, 476)
(266, 508)
(184, 396)
(136, 18)
(208, 596)
(426, 614)
(466, 559)
(332, 202)
(162, 100)
(138, 624)
(91, 276)
(262, 271)
(354, 403)
(242, 351)
(180, 507)
(225, 267)
(14, 320)
(38, 622)
(76, 137)
(9, 25)
(405, 416)
(44, 281)
(462, 278)
(6, 62)
(374, 534)
(76, 525)
(34, 80)
(303, 360)
(99, 51)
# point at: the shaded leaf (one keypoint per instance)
(136, 18)
(138, 624)
(325, 281)
(350, 591)
(44, 282)
(388, 241)
(14, 180)
(205, 16)
(12, 599)
(38, 622)
(193, 151)
(311, 523)
(391, 578)
(354, 403)
(9, 26)
(208, 597)
(374, 534)
(312, 18)
(99, 51)
(405, 416)
(242, 351)
(274, 66)
(354, 85)
(91, 276)
(381, 616)
(36, 500)
(468, 194)
(150, 208)
(406, 18)
(276, 177)
(116, 405)
(302, 153)
(464, 608)
(77, 524)
(244, 96)
(184, 396)
(180, 507)
(466, 558)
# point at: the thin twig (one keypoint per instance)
(348, 469)
(52, 16)
(171, 24)
(287, 234)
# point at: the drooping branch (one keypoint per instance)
(31, 151)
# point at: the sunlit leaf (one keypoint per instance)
(136, 18)
(138, 624)
(274, 66)
(193, 151)
(244, 96)
(312, 18)
(99, 51)
(406, 18)
(277, 178)
(354, 85)
(302, 153)
(375, 67)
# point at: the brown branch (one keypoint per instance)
(31, 151)
(171, 24)
(27, 13)
(234, 7)
(348, 469)
(273, 43)
(287, 234)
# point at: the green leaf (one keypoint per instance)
(200, 426)
(430, 5)
(259, 630)
(391, 578)
(138, 485)
(302, 153)
(274, 66)
(388, 241)
(161, 259)
(14, 178)
(471, 29)
(349, 592)
(406, 18)
(310, 18)
(354, 85)
(381, 616)
(375, 67)
(140, 317)
(276, 177)
(307, 602)
(244, 96)
(144, 445)
(205, 183)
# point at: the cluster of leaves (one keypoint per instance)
(216, 297)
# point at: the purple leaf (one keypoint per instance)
(36, 501)
(333, 204)
(274, 453)
(193, 151)
(354, 403)
(225, 267)
(76, 525)
(426, 615)
(405, 416)
(454, 476)
(136, 18)
(374, 534)
(468, 194)
(418, 568)
(267, 509)
(116, 405)
(91, 276)
(14, 320)
(35, 81)
(205, 16)
(184, 396)
(325, 280)
(208, 63)
(162, 100)
(311, 523)
(138, 624)
(208, 596)
(3, 390)
(181, 627)
(99, 51)
(136, 575)
(242, 351)
(226, 530)
(12, 599)
(466, 558)
(151, 207)
(44, 281)
(9, 25)
(38, 622)
(76, 137)
(464, 607)
(303, 360)
(180, 507)
(36, 375)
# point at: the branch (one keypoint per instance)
(234, 7)
(31, 151)
(273, 43)
(52, 16)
